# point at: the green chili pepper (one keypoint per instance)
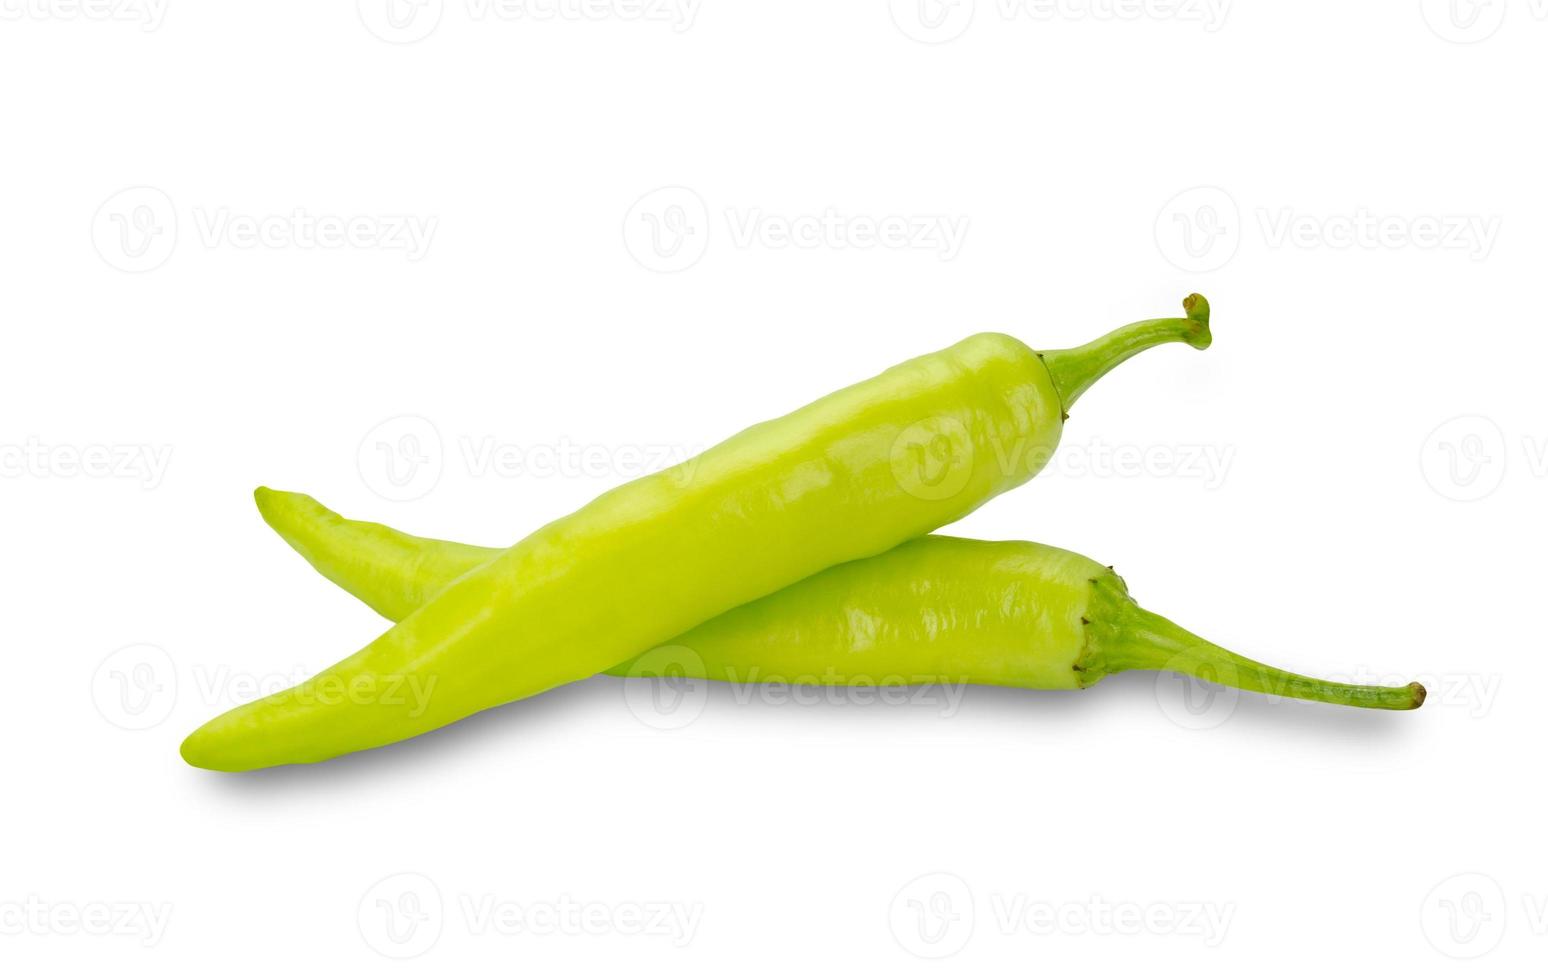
(850, 475)
(1006, 613)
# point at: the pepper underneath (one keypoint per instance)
(939, 608)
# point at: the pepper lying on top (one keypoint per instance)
(849, 476)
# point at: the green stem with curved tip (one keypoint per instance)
(1121, 635)
(1077, 368)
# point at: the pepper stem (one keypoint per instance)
(1125, 636)
(1077, 368)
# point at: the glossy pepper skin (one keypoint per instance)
(938, 608)
(850, 475)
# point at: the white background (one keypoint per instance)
(1358, 191)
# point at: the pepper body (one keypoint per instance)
(848, 476)
(1005, 613)
(935, 609)
(938, 608)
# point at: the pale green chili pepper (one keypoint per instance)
(850, 475)
(935, 609)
